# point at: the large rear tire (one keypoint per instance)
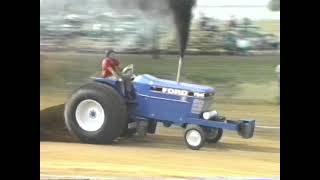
(96, 114)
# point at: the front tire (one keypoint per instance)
(194, 137)
(95, 114)
(214, 135)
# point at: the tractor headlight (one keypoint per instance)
(209, 115)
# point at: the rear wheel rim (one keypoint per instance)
(90, 115)
(193, 137)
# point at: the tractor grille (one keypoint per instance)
(201, 105)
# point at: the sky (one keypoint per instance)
(209, 8)
(214, 8)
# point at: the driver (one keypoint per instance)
(111, 69)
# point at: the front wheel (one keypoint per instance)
(194, 137)
(214, 135)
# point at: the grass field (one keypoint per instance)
(269, 26)
(237, 79)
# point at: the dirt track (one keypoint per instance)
(162, 155)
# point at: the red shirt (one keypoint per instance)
(109, 63)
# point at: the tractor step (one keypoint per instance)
(132, 125)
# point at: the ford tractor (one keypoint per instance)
(100, 112)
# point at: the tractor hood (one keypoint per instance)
(155, 82)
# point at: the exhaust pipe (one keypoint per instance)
(179, 69)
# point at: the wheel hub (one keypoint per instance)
(193, 137)
(90, 115)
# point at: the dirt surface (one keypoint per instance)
(162, 155)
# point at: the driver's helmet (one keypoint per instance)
(110, 57)
(109, 52)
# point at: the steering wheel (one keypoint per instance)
(128, 70)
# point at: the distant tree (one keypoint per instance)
(204, 22)
(232, 23)
(274, 5)
(246, 22)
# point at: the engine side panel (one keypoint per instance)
(161, 107)
(163, 103)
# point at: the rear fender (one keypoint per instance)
(109, 82)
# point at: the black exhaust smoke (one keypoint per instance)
(182, 12)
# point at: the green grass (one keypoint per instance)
(238, 80)
(269, 26)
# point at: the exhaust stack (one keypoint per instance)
(179, 69)
(182, 15)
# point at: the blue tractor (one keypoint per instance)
(100, 112)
